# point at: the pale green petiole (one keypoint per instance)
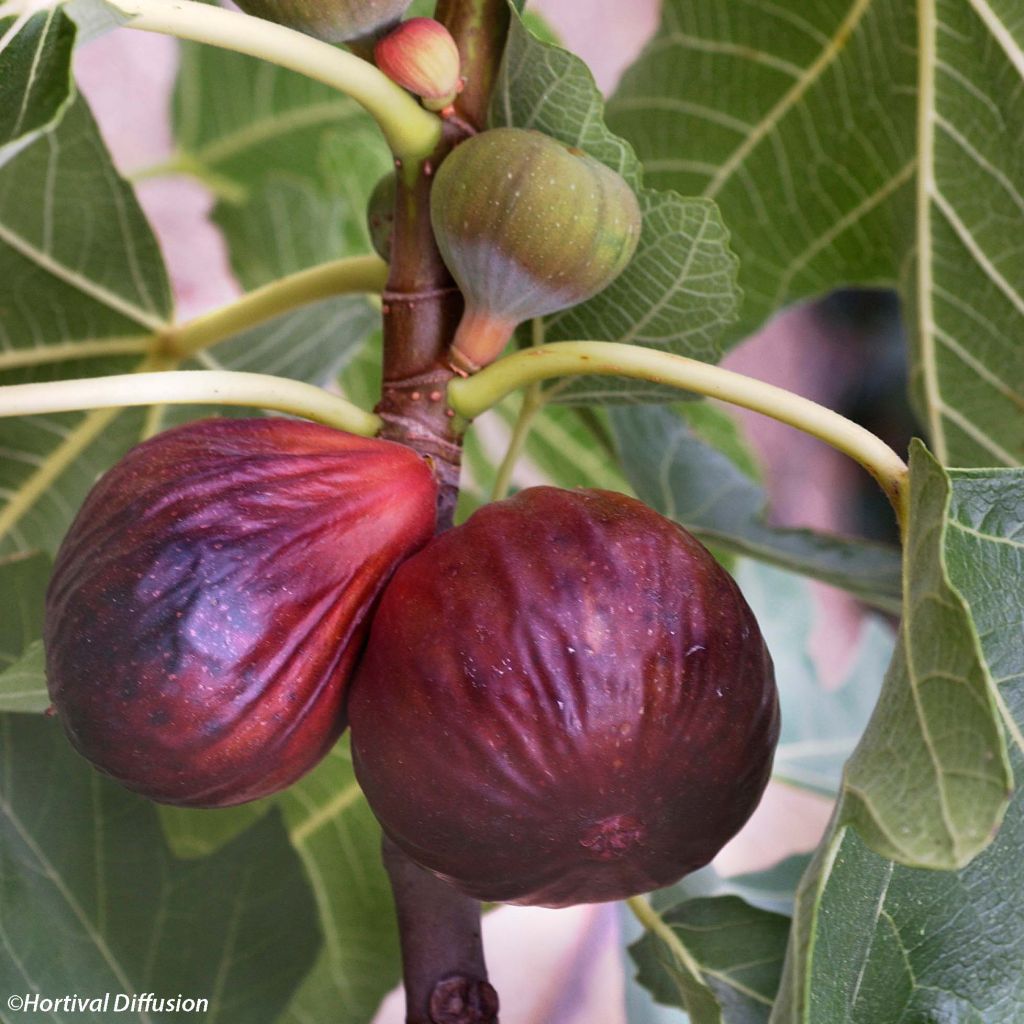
(411, 132)
(189, 387)
(348, 276)
(471, 396)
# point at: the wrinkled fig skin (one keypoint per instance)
(564, 700)
(333, 21)
(527, 227)
(212, 594)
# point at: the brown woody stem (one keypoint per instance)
(480, 28)
(442, 954)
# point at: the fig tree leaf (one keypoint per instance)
(338, 841)
(35, 73)
(94, 902)
(801, 121)
(286, 225)
(238, 119)
(929, 781)
(739, 950)
(84, 290)
(889, 943)
(878, 943)
(23, 683)
(820, 727)
(23, 580)
(679, 291)
(686, 479)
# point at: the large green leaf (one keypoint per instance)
(23, 581)
(737, 949)
(83, 274)
(335, 833)
(801, 121)
(93, 902)
(676, 472)
(35, 72)
(929, 781)
(679, 291)
(880, 943)
(238, 120)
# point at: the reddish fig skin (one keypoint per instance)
(564, 700)
(212, 595)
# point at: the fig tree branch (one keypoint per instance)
(189, 387)
(473, 395)
(411, 132)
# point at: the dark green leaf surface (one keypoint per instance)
(739, 951)
(679, 291)
(801, 121)
(35, 73)
(338, 840)
(23, 580)
(929, 781)
(93, 902)
(877, 943)
(702, 489)
(238, 120)
(84, 270)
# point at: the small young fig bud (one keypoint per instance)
(211, 597)
(421, 56)
(564, 700)
(527, 226)
(380, 215)
(333, 21)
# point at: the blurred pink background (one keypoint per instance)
(550, 967)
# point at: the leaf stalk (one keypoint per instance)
(411, 132)
(471, 396)
(189, 387)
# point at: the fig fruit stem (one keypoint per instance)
(656, 925)
(443, 966)
(411, 132)
(353, 275)
(189, 387)
(471, 396)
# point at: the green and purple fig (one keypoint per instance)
(212, 595)
(421, 56)
(333, 21)
(527, 226)
(564, 700)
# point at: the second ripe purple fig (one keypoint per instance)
(210, 599)
(564, 700)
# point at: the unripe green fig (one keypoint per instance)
(210, 599)
(564, 700)
(527, 226)
(421, 56)
(333, 21)
(380, 215)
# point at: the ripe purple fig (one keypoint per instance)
(564, 700)
(211, 597)
(333, 21)
(421, 56)
(527, 226)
